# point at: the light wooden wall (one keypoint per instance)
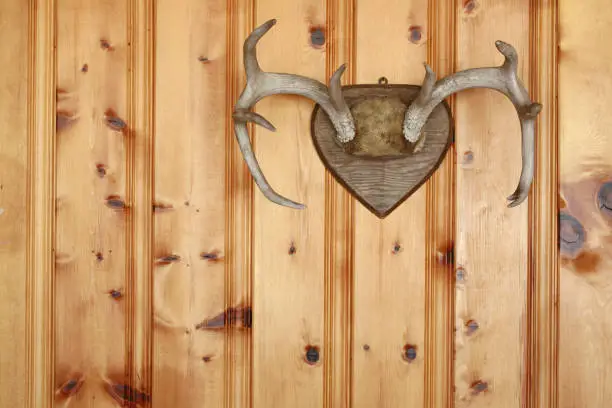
(139, 264)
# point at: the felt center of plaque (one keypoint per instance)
(378, 129)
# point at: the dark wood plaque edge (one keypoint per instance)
(383, 214)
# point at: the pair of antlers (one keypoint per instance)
(261, 84)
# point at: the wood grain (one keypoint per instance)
(585, 94)
(40, 203)
(190, 84)
(390, 254)
(440, 228)
(139, 266)
(542, 382)
(382, 184)
(339, 229)
(13, 202)
(288, 263)
(93, 208)
(491, 239)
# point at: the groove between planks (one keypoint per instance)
(440, 234)
(140, 170)
(339, 230)
(542, 377)
(240, 16)
(40, 202)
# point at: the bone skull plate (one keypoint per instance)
(381, 142)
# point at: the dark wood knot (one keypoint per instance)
(312, 355)
(410, 352)
(317, 37)
(604, 198)
(571, 235)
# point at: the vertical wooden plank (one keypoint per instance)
(492, 240)
(93, 208)
(288, 264)
(543, 291)
(13, 200)
(339, 229)
(190, 314)
(440, 229)
(238, 214)
(585, 94)
(140, 113)
(390, 254)
(41, 202)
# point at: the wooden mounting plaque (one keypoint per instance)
(381, 184)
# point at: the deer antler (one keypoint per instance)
(503, 79)
(261, 84)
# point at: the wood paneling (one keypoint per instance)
(440, 227)
(491, 239)
(389, 297)
(238, 214)
(288, 252)
(41, 204)
(13, 204)
(138, 263)
(189, 173)
(585, 92)
(93, 207)
(542, 333)
(339, 229)
(140, 248)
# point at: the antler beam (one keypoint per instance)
(261, 84)
(503, 79)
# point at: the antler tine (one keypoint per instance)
(503, 79)
(261, 84)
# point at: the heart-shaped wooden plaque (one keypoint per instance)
(379, 167)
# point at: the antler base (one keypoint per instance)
(382, 182)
